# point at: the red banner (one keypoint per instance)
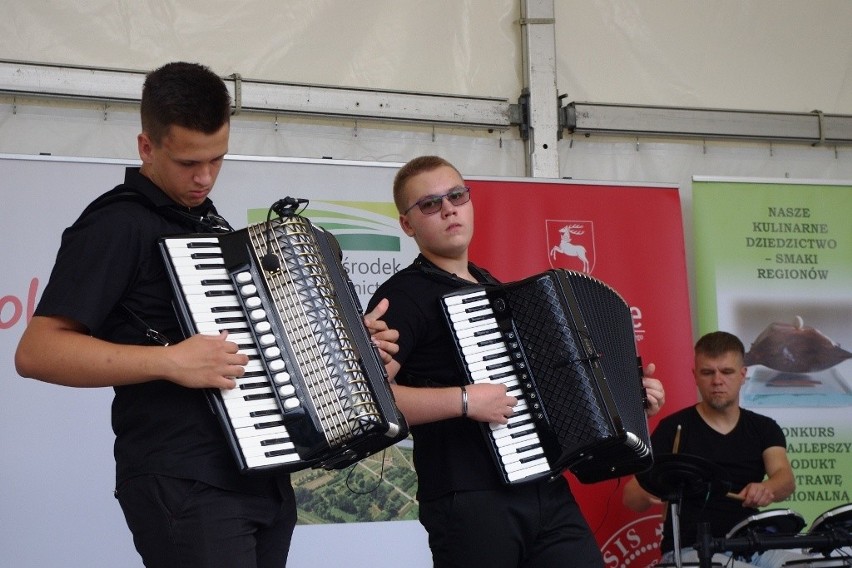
(630, 237)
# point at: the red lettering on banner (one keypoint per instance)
(636, 544)
(638, 330)
(12, 308)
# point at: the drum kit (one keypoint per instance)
(835, 522)
(676, 478)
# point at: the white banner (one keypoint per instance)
(57, 479)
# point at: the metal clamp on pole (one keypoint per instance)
(821, 122)
(238, 93)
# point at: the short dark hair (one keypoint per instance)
(412, 168)
(717, 343)
(189, 95)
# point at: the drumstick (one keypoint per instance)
(729, 495)
(675, 447)
(676, 444)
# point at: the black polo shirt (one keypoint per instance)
(109, 258)
(449, 455)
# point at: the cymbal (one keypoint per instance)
(686, 476)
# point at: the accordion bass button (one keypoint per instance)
(291, 403)
(281, 378)
(272, 352)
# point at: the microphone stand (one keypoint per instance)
(675, 508)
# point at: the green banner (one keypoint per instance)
(773, 264)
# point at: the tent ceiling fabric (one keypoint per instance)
(793, 56)
(460, 47)
(641, 62)
(745, 54)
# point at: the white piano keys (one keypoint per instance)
(202, 303)
(524, 470)
(211, 298)
(201, 315)
(205, 290)
(489, 364)
(264, 410)
(212, 274)
(521, 456)
(189, 241)
(246, 394)
(517, 423)
(198, 261)
(465, 329)
(464, 298)
(272, 447)
(487, 360)
(480, 338)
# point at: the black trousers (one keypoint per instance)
(537, 525)
(180, 523)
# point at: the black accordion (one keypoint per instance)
(315, 392)
(562, 342)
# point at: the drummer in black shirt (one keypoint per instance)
(749, 447)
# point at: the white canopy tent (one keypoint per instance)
(653, 90)
(510, 69)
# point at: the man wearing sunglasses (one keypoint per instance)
(106, 319)
(472, 519)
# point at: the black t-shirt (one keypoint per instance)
(109, 258)
(449, 455)
(740, 455)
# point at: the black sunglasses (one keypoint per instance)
(431, 204)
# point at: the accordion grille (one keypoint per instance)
(312, 321)
(553, 351)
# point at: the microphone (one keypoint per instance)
(270, 262)
(285, 207)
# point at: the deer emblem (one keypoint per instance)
(568, 248)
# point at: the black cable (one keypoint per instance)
(286, 207)
(376, 486)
